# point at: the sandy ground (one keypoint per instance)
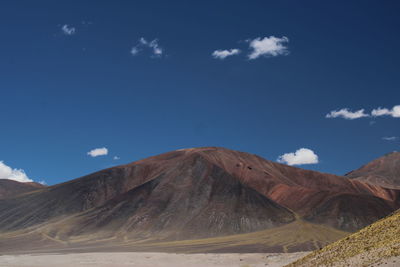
(386, 262)
(150, 259)
(390, 262)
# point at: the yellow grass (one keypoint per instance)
(368, 246)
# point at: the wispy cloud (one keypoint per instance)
(299, 157)
(347, 114)
(222, 54)
(19, 175)
(393, 112)
(134, 51)
(116, 158)
(268, 46)
(155, 48)
(68, 30)
(98, 152)
(389, 138)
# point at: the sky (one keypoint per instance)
(86, 85)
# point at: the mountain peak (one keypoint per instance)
(197, 193)
(383, 171)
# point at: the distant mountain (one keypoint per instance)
(374, 245)
(214, 195)
(383, 171)
(11, 188)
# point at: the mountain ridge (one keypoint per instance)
(197, 193)
(11, 188)
(383, 171)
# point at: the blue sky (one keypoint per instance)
(66, 92)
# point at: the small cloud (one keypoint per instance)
(19, 175)
(347, 114)
(42, 182)
(156, 50)
(222, 54)
(389, 138)
(68, 30)
(300, 157)
(98, 152)
(116, 158)
(134, 51)
(394, 112)
(143, 41)
(268, 46)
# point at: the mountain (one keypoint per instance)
(176, 195)
(192, 199)
(215, 197)
(384, 171)
(376, 244)
(11, 188)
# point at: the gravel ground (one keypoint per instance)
(150, 259)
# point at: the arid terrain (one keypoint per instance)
(383, 171)
(375, 245)
(119, 259)
(201, 200)
(10, 188)
(199, 133)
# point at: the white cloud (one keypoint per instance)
(134, 51)
(221, 54)
(380, 112)
(301, 156)
(42, 182)
(143, 41)
(268, 46)
(156, 50)
(389, 138)
(394, 112)
(68, 30)
(19, 175)
(347, 114)
(98, 152)
(377, 112)
(116, 158)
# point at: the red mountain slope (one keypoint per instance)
(384, 171)
(195, 193)
(10, 188)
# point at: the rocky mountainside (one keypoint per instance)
(195, 193)
(10, 188)
(383, 171)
